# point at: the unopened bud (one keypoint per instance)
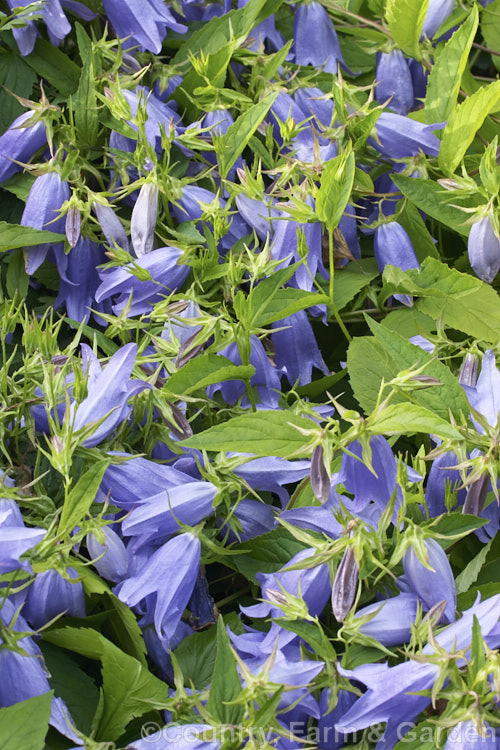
(72, 227)
(476, 495)
(320, 478)
(345, 585)
(468, 373)
(143, 221)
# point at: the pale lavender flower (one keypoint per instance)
(146, 21)
(143, 221)
(432, 586)
(315, 39)
(394, 82)
(45, 198)
(19, 143)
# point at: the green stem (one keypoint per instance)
(333, 306)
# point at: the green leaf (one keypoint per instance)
(411, 221)
(266, 553)
(430, 197)
(17, 279)
(14, 235)
(205, 370)
(262, 433)
(217, 32)
(461, 300)
(128, 688)
(54, 66)
(225, 685)
(464, 123)
(456, 524)
(406, 20)
(285, 302)
(81, 496)
(419, 738)
(18, 78)
(370, 361)
(312, 635)
(409, 419)
(469, 575)
(490, 28)
(70, 682)
(239, 133)
(268, 710)
(86, 118)
(445, 77)
(352, 278)
(24, 725)
(477, 660)
(335, 188)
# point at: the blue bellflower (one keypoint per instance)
(437, 13)
(296, 349)
(45, 198)
(394, 82)
(78, 286)
(170, 575)
(400, 137)
(392, 619)
(109, 390)
(51, 595)
(315, 39)
(394, 247)
(483, 247)
(145, 21)
(19, 142)
(432, 586)
(110, 558)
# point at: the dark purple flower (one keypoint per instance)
(329, 738)
(484, 249)
(432, 586)
(394, 82)
(315, 38)
(146, 21)
(169, 575)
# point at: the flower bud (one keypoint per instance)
(484, 249)
(109, 559)
(143, 221)
(345, 585)
(73, 223)
(111, 226)
(320, 478)
(468, 373)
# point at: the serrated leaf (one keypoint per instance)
(430, 197)
(17, 77)
(409, 419)
(225, 685)
(412, 222)
(262, 433)
(463, 301)
(371, 360)
(266, 553)
(54, 66)
(335, 188)
(205, 370)
(86, 118)
(352, 278)
(312, 635)
(14, 235)
(463, 124)
(490, 28)
(469, 575)
(285, 302)
(239, 133)
(446, 75)
(25, 724)
(406, 19)
(82, 495)
(128, 688)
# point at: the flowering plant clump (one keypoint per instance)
(250, 384)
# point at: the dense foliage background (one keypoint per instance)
(249, 397)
